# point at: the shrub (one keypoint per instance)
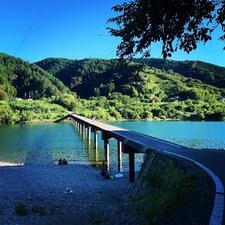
(21, 209)
(39, 209)
(167, 188)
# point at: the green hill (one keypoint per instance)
(22, 79)
(79, 75)
(206, 72)
(107, 89)
(137, 91)
(96, 77)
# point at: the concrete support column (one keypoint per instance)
(96, 154)
(89, 133)
(106, 148)
(131, 167)
(96, 139)
(119, 154)
(84, 128)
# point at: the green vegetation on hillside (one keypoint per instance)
(106, 89)
(135, 92)
(206, 72)
(25, 80)
(96, 77)
(124, 107)
(36, 110)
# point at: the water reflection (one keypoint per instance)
(47, 143)
(95, 154)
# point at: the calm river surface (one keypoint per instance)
(46, 143)
(186, 133)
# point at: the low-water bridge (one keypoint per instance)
(130, 142)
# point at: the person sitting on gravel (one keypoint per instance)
(60, 162)
(64, 162)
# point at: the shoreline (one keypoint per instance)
(114, 120)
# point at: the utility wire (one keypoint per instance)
(31, 26)
(109, 54)
(104, 35)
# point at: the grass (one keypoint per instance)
(96, 218)
(21, 209)
(167, 189)
(52, 211)
(36, 110)
(39, 209)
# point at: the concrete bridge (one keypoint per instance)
(130, 142)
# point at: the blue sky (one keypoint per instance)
(76, 29)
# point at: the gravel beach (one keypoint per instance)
(94, 199)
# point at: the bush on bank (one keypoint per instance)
(35, 110)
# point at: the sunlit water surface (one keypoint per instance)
(186, 133)
(46, 143)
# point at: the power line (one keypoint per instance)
(31, 26)
(105, 35)
(109, 54)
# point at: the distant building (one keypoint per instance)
(154, 100)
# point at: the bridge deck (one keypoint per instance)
(140, 142)
(213, 160)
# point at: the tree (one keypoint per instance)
(3, 95)
(179, 24)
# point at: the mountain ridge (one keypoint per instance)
(23, 79)
(104, 76)
(107, 89)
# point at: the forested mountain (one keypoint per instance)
(22, 79)
(80, 75)
(138, 91)
(107, 89)
(206, 72)
(96, 77)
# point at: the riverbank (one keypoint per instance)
(43, 186)
(173, 191)
(94, 200)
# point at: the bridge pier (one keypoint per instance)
(96, 154)
(83, 128)
(106, 136)
(106, 148)
(119, 154)
(89, 133)
(96, 139)
(79, 126)
(131, 151)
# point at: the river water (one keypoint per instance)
(187, 133)
(46, 143)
